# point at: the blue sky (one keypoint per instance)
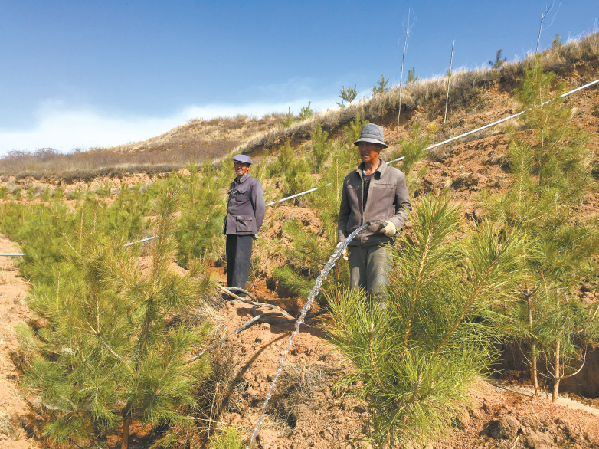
(86, 73)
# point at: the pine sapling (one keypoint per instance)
(113, 349)
(415, 359)
(552, 176)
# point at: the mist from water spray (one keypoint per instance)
(319, 280)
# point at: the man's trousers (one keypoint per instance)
(239, 254)
(369, 268)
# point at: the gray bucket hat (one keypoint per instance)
(243, 159)
(372, 133)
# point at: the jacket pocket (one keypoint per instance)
(382, 192)
(244, 223)
(240, 194)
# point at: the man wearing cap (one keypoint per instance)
(375, 192)
(245, 214)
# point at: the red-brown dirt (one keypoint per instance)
(498, 417)
(317, 415)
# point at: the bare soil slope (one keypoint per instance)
(15, 414)
(306, 410)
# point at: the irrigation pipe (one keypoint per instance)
(509, 117)
(299, 194)
(229, 291)
(592, 83)
(261, 318)
(256, 304)
(140, 241)
(505, 119)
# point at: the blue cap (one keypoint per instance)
(243, 159)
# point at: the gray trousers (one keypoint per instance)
(368, 268)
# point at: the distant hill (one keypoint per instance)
(475, 98)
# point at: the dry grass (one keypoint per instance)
(5, 424)
(197, 140)
(295, 392)
(85, 165)
(221, 392)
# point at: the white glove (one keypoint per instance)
(345, 253)
(389, 230)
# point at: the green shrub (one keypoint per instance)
(413, 150)
(306, 112)
(321, 148)
(227, 438)
(551, 179)
(31, 193)
(557, 43)
(348, 95)
(45, 195)
(288, 120)
(292, 170)
(306, 257)
(58, 193)
(200, 227)
(412, 78)
(498, 61)
(105, 189)
(382, 86)
(77, 194)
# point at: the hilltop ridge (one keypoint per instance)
(307, 409)
(475, 98)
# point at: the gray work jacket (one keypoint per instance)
(245, 208)
(387, 200)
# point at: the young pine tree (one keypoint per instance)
(293, 170)
(552, 176)
(413, 150)
(321, 148)
(415, 359)
(203, 205)
(113, 349)
(381, 86)
(348, 95)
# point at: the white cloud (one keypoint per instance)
(64, 129)
(254, 109)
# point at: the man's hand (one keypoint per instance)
(389, 230)
(345, 253)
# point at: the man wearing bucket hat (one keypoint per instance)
(245, 214)
(374, 192)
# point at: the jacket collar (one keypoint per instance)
(381, 169)
(242, 179)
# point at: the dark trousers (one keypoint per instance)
(239, 253)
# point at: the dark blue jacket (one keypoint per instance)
(245, 208)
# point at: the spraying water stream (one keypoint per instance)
(319, 280)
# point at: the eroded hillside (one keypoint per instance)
(308, 409)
